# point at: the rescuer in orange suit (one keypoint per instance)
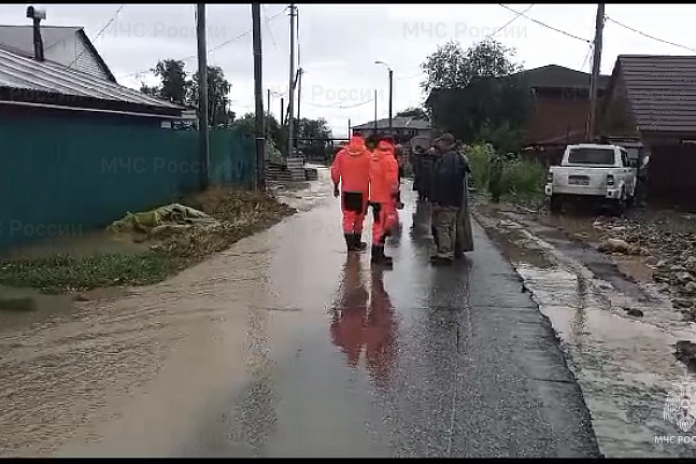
(384, 188)
(350, 169)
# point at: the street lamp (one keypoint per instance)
(391, 74)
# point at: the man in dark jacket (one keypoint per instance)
(447, 196)
(495, 179)
(416, 160)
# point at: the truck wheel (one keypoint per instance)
(556, 204)
(630, 201)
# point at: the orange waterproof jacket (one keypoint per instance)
(351, 167)
(384, 174)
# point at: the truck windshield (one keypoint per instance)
(603, 156)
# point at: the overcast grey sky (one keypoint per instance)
(339, 44)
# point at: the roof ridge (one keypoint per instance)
(655, 56)
(42, 26)
(67, 80)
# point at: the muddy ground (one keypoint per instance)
(617, 325)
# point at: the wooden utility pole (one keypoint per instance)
(299, 91)
(349, 129)
(391, 80)
(268, 103)
(596, 64)
(291, 96)
(375, 112)
(282, 111)
(203, 126)
(258, 94)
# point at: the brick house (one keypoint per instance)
(561, 105)
(652, 99)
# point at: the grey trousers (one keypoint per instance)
(445, 220)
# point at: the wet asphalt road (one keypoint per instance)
(411, 362)
(285, 346)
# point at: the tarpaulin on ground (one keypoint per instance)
(170, 218)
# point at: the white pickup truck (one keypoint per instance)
(592, 171)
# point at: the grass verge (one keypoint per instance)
(241, 213)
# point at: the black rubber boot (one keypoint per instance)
(386, 260)
(375, 257)
(350, 242)
(378, 257)
(358, 243)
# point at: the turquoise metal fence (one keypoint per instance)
(66, 175)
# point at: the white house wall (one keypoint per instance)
(86, 61)
(68, 49)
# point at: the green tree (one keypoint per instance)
(174, 85)
(274, 132)
(413, 112)
(313, 136)
(450, 67)
(219, 113)
(477, 94)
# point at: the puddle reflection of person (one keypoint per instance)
(357, 326)
(350, 311)
(380, 332)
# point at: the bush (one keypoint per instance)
(479, 156)
(522, 179)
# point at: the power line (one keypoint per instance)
(584, 62)
(545, 25)
(508, 23)
(113, 18)
(357, 104)
(217, 47)
(270, 29)
(333, 105)
(650, 36)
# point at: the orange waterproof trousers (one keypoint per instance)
(383, 221)
(354, 209)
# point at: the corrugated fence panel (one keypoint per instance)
(232, 157)
(72, 174)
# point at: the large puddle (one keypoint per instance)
(624, 364)
(68, 364)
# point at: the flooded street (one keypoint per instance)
(284, 345)
(619, 336)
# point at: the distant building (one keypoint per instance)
(560, 106)
(67, 46)
(403, 128)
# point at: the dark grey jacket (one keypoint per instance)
(448, 180)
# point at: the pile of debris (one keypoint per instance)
(669, 245)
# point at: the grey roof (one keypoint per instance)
(554, 76)
(21, 39)
(26, 78)
(661, 91)
(550, 76)
(397, 123)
